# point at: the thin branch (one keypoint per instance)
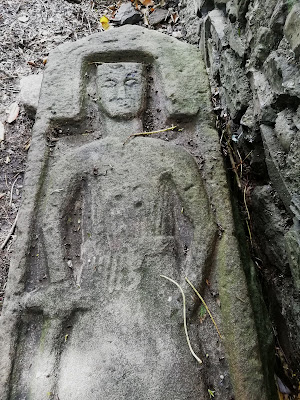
(171, 128)
(11, 191)
(184, 318)
(245, 202)
(11, 231)
(205, 305)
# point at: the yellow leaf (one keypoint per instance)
(105, 23)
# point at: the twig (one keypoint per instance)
(248, 220)
(234, 168)
(88, 22)
(184, 318)
(11, 231)
(205, 305)
(245, 202)
(11, 191)
(171, 128)
(250, 234)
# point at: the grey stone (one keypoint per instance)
(296, 118)
(292, 239)
(285, 129)
(213, 59)
(264, 44)
(269, 225)
(242, 8)
(283, 72)
(235, 83)
(292, 29)
(263, 97)
(158, 16)
(217, 24)
(235, 39)
(203, 6)
(127, 14)
(278, 17)
(231, 9)
(248, 119)
(86, 312)
(257, 40)
(275, 161)
(30, 92)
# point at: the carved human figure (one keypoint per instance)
(141, 210)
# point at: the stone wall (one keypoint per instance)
(252, 51)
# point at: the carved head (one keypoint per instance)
(121, 89)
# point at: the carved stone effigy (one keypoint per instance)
(87, 313)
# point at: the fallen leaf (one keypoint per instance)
(27, 145)
(147, 3)
(7, 160)
(2, 134)
(175, 17)
(105, 23)
(23, 18)
(45, 60)
(13, 112)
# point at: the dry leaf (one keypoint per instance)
(1, 132)
(175, 17)
(27, 145)
(23, 18)
(13, 112)
(7, 160)
(147, 3)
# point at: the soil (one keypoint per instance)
(29, 30)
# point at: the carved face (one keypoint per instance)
(121, 88)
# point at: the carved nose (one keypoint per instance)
(121, 92)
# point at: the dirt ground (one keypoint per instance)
(29, 29)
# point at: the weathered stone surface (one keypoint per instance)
(292, 29)
(235, 83)
(263, 97)
(127, 14)
(275, 160)
(235, 40)
(231, 9)
(157, 16)
(87, 313)
(30, 93)
(217, 24)
(264, 44)
(285, 129)
(283, 72)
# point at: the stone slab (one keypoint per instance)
(30, 93)
(87, 313)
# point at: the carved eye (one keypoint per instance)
(131, 82)
(109, 83)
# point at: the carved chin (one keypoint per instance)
(122, 112)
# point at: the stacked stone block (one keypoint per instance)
(252, 52)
